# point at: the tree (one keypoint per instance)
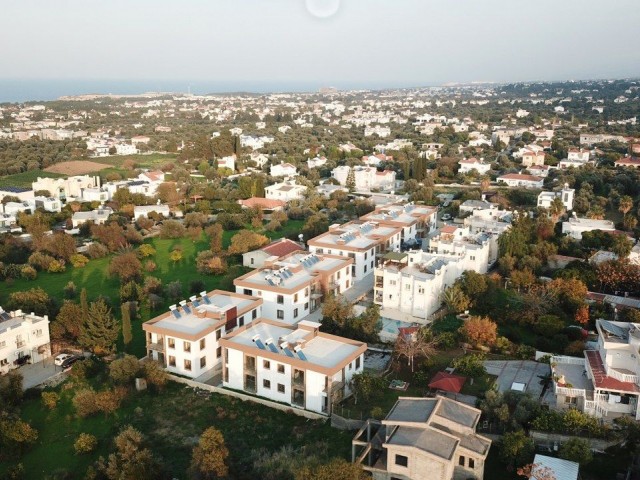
(11, 391)
(126, 266)
(209, 457)
(516, 448)
(60, 245)
(533, 471)
(556, 209)
(480, 331)
(127, 336)
(131, 458)
(350, 182)
(33, 300)
(155, 374)
(85, 443)
(336, 469)
(68, 322)
(315, 225)
(176, 255)
(366, 386)
(577, 450)
(470, 365)
(146, 250)
(100, 331)
(172, 229)
(336, 310)
(625, 204)
(208, 263)
(455, 299)
(215, 233)
(420, 344)
(15, 435)
(124, 370)
(245, 241)
(582, 315)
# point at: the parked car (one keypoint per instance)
(70, 361)
(446, 217)
(59, 360)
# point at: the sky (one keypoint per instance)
(284, 43)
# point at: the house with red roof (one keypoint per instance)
(633, 162)
(276, 249)
(521, 180)
(606, 381)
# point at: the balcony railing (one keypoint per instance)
(158, 347)
(570, 392)
(20, 343)
(623, 377)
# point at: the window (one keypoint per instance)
(280, 299)
(306, 292)
(295, 298)
(280, 368)
(338, 275)
(472, 463)
(472, 257)
(295, 313)
(172, 361)
(171, 342)
(4, 362)
(350, 366)
(280, 314)
(254, 314)
(365, 269)
(461, 461)
(266, 384)
(218, 334)
(357, 363)
(241, 321)
(187, 365)
(306, 306)
(187, 346)
(202, 344)
(3, 344)
(248, 291)
(266, 364)
(571, 400)
(280, 388)
(203, 362)
(252, 260)
(420, 289)
(407, 286)
(402, 460)
(218, 352)
(392, 282)
(365, 255)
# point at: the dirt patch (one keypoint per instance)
(76, 167)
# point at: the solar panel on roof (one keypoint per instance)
(186, 309)
(196, 303)
(301, 354)
(5, 316)
(613, 329)
(206, 299)
(176, 313)
(272, 347)
(270, 282)
(259, 343)
(288, 352)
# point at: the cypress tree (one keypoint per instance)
(126, 324)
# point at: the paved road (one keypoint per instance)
(37, 373)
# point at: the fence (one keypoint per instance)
(244, 397)
(554, 440)
(342, 423)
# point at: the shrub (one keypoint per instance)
(108, 401)
(78, 260)
(124, 370)
(172, 229)
(28, 272)
(97, 250)
(50, 399)
(150, 266)
(40, 260)
(85, 443)
(447, 340)
(70, 290)
(525, 352)
(470, 365)
(146, 250)
(56, 266)
(196, 286)
(155, 374)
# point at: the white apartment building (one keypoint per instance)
(24, 338)
(359, 241)
(382, 132)
(578, 154)
(541, 171)
(285, 191)
(283, 170)
(126, 149)
(99, 216)
(48, 204)
(276, 249)
(416, 221)
(294, 364)
(423, 439)
(469, 164)
(366, 178)
(566, 195)
(491, 222)
(293, 286)
(63, 188)
(521, 180)
(316, 162)
(575, 227)
(228, 162)
(186, 339)
(605, 382)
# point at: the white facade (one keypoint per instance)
(382, 132)
(99, 216)
(316, 162)
(296, 365)
(48, 204)
(228, 162)
(575, 227)
(283, 170)
(22, 335)
(285, 191)
(469, 164)
(186, 340)
(61, 188)
(566, 195)
(366, 178)
(145, 210)
(520, 180)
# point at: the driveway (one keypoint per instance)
(38, 373)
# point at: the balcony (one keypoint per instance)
(334, 387)
(20, 343)
(156, 347)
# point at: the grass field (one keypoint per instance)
(172, 421)
(25, 179)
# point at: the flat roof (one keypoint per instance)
(412, 410)
(427, 439)
(356, 235)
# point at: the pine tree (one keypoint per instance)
(351, 181)
(126, 324)
(100, 331)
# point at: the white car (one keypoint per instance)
(59, 360)
(446, 217)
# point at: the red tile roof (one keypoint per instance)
(447, 382)
(264, 203)
(282, 247)
(602, 380)
(449, 229)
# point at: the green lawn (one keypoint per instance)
(172, 422)
(25, 179)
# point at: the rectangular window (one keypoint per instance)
(218, 334)
(241, 321)
(357, 363)
(171, 342)
(280, 299)
(306, 306)
(218, 352)
(295, 313)
(295, 298)
(202, 344)
(402, 461)
(254, 314)
(407, 286)
(203, 362)
(280, 314)
(187, 365)
(172, 361)
(350, 366)
(280, 368)
(472, 463)
(461, 461)
(187, 346)
(280, 388)
(266, 383)
(306, 292)
(266, 364)
(247, 291)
